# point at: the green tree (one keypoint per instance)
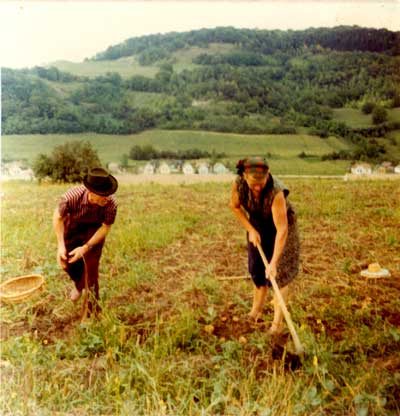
(368, 107)
(67, 163)
(396, 100)
(147, 152)
(43, 167)
(379, 115)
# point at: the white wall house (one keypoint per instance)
(175, 166)
(13, 170)
(114, 167)
(203, 169)
(361, 169)
(187, 169)
(397, 169)
(164, 169)
(219, 168)
(148, 169)
(385, 167)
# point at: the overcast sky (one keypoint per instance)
(39, 32)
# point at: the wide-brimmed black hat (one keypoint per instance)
(100, 182)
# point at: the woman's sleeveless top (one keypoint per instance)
(260, 216)
(260, 211)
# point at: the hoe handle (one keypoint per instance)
(286, 314)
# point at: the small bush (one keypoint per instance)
(379, 115)
(148, 152)
(368, 107)
(67, 163)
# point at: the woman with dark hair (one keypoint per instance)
(259, 201)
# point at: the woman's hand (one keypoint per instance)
(271, 270)
(254, 237)
(77, 253)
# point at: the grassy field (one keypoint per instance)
(283, 148)
(183, 59)
(357, 119)
(150, 353)
(129, 66)
(126, 67)
(149, 99)
(394, 114)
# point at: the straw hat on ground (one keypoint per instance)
(375, 271)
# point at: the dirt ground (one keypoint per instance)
(321, 279)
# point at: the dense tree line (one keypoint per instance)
(149, 152)
(152, 48)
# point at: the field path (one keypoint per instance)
(178, 179)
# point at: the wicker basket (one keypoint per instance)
(21, 288)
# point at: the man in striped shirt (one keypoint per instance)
(81, 222)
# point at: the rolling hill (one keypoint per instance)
(225, 80)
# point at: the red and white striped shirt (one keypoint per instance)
(75, 204)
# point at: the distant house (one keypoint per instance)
(164, 169)
(203, 169)
(148, 169)
(385, 167)
(219, 168)
(13, 170)
(397, 169)
(361, 169)
(114, 167)
(175, 166)
(381, 170)
(187, 169)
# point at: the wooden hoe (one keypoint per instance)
(286, 314)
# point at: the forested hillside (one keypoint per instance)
(223, 79)
(155, 47)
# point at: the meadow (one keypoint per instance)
(150, 352)
(283, 149)
(355, 118)
(129, 66)
(126, 67)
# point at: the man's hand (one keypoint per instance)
(77, 253)
(62, 257)
(254, 237)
